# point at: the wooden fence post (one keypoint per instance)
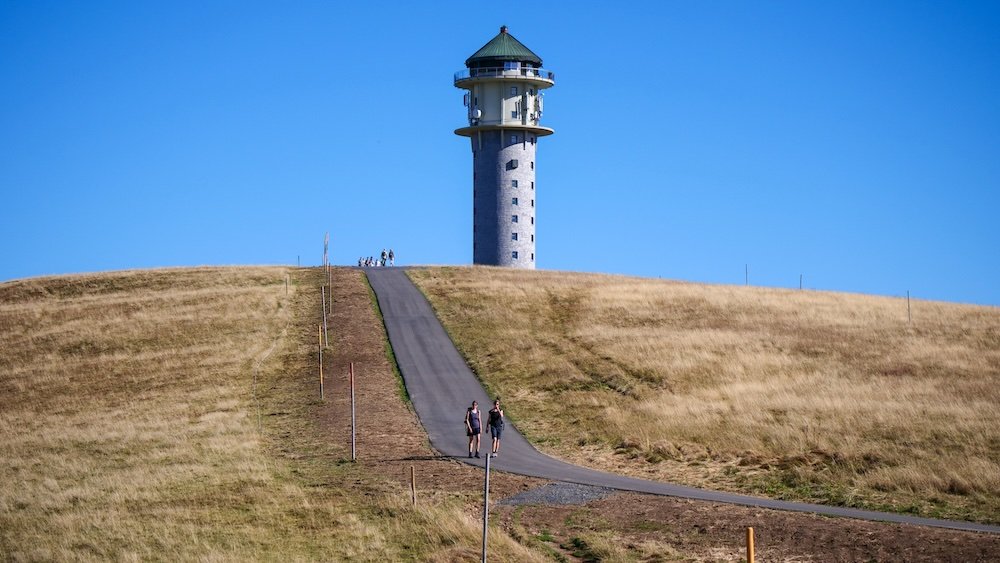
(354, 450)
(326, 334)
(413, 486)
(321, 362)
(750, 551)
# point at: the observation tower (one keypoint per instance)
(504, 80)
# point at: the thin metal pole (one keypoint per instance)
(800, 281)
(329, 272)
(750, 549)
(326, 334)
(354, 450)
(747, 274)
(321, 363)
(486, 504)
(909, 318)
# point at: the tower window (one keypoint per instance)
(532, 185)
(513, 201)
(532, 256)
(513, 183)
(532, 221)
(532, 203)
(532, 238)
(513, 218)
(513, 139)
(513, 236)
(532, 162)
(513, 90)
(513, 254)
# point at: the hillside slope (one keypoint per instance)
(131, 428)
(173, 415)
(803, 395)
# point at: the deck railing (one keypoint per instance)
(501, 72)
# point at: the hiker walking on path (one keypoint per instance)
(392, 258)
(496, 425)
(474, 427)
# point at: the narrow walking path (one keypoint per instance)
(441, 386)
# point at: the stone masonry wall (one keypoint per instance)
(494, 207)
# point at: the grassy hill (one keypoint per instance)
(173, 415)
(805, 395)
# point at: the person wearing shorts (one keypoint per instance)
(473, 428)
(496, 425)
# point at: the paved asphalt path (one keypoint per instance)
(442, 386)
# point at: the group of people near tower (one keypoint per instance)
(380, 260)
(474, 427)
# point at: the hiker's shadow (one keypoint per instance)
(426, 458)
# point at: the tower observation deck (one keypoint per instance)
(504, 82)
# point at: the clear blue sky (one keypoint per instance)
(856, 143)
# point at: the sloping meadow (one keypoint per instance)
(121, 395)
(818, 396)
(171, 415)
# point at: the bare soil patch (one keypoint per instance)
(649, 528)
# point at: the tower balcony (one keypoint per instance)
(481, 125)
(538, 76)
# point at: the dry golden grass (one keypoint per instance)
(129, 429)
(806, 395)
(123, 401)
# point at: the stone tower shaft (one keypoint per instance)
(504, 101)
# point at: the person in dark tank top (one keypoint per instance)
(473, 428)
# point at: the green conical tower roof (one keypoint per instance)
(502, 48)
